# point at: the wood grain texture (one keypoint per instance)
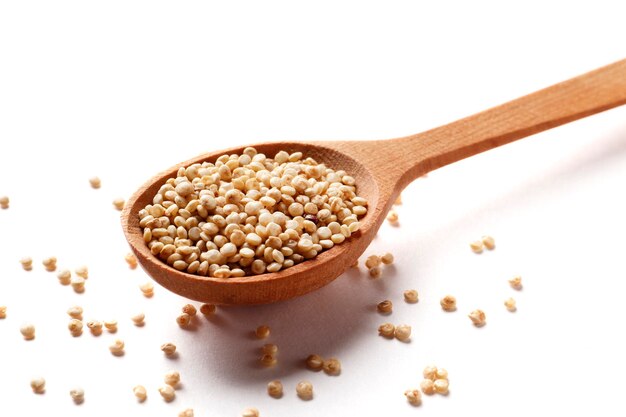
(382, 169)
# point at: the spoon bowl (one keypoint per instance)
(381, 170)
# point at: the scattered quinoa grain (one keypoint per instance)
(392, 217)
(78, 395)
(269, 348)
(95, 182)
(75, 326)
(183, 320)
(427, 386)
(189, 309)
(398, 200)
(3, 312)
(477, 246)
(27, 263)
(510, 304)
(387, 330)
(448, 303)
(385, 307)
(516, 282)
(262, 332)
(489, 242)
(411, 296)
(441, 386)
(167, 392)
(50, 264)
(332, 366)
(75, 312)
(207, 309)
(131, 260)
(267, 360)
(188, 412)
(4, 202)
(430, 372)
(387, 258)
(78, 284)
(140, 393)
(95, 327)
(138, 319)
(275, 389)
(38, 385)
(413, 396)
(82, 271)
(441, 373)
(118, 203)
(403, 332)
(111, 325)
(477, 317)
(168, 348)
(117, 347)
(64, 276)
(250, 412)
(375, 272)
(147, 289)
(372, 261)
(172, 378)
(28, 331)
(304, 389)
(315, 362)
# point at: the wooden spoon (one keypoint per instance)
(382, 169)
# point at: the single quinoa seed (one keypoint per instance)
(188, 412)
(267, 360)
(448, 303)
(477, 317)
(138, 319)
(28, 331)
(375, 272)
(167, 392)
(413, 396)
(427, 386)
(95, 327)
(3, 312)
(430, 372)
(304, 389)
(64, 276)
(275, 389)
(207, 309)
(332, 366)
(387, 330)
(78, 395)
(27, 263)
(4, 202)
(183, 320)
(269, 348)
(411, 296)
(50, 264)
(489, 242)
(510, 304)
(398, 200)
(147, 289)
(403, 332)
(441, 373)
(95, 182)
(387, 258)
(314, 362)
(110, 325)
(250, 214)
(250, 412)
(75, 326)
(75, 312)
(372, 261)
(168, 348)
(189, 309)
(385, 307)
(392, 217)
(516, 283)
(38, 385)
(117, 347)
(131, 260)
(172, 378)
(441, 386)
(82, 271)
(140, 393)
(262, 332)
(477, 246)
(78, 284)
(118, 203)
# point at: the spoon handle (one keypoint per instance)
(578, 97)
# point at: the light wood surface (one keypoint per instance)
(382, 169)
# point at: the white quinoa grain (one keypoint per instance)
(168, 348)
(372, 261)
(75, 312)
(267, 360)
(172, 378)
(188, 412)
(207, 309)
(78, 284)
(95, 327)
(476, 246)
(427, 386)
(489, 242)
(375, 272)
(411, 296)
(78, 395)
(275, 389)
(510, 304)
(430, 372)
(448, 303)
(392, 217)
(117, 347)
(167, 392)
(269, 348)
(111, 325)
(441, 386)
(189, 309)
(516, 282)
(131, 260)
(250, 412)
(441, 373)
(387, 258)
(304, 389)
(147, 289)
(387, 330)
(95, 182)
(138, 319)
(82, 271)
(3, 312)
(140, 393)
(385, 307)
(118, 203)
(477, 317)
(413, 396)
(50, 264)
(314, 362)
(332, 366)
(38, 385)
(403, 332)
(4, 202)
(64, 276)
(262, 332)
(183, 320)
(27, 263)
(75, 326)
(28, 331)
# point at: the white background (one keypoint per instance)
(123, 89)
